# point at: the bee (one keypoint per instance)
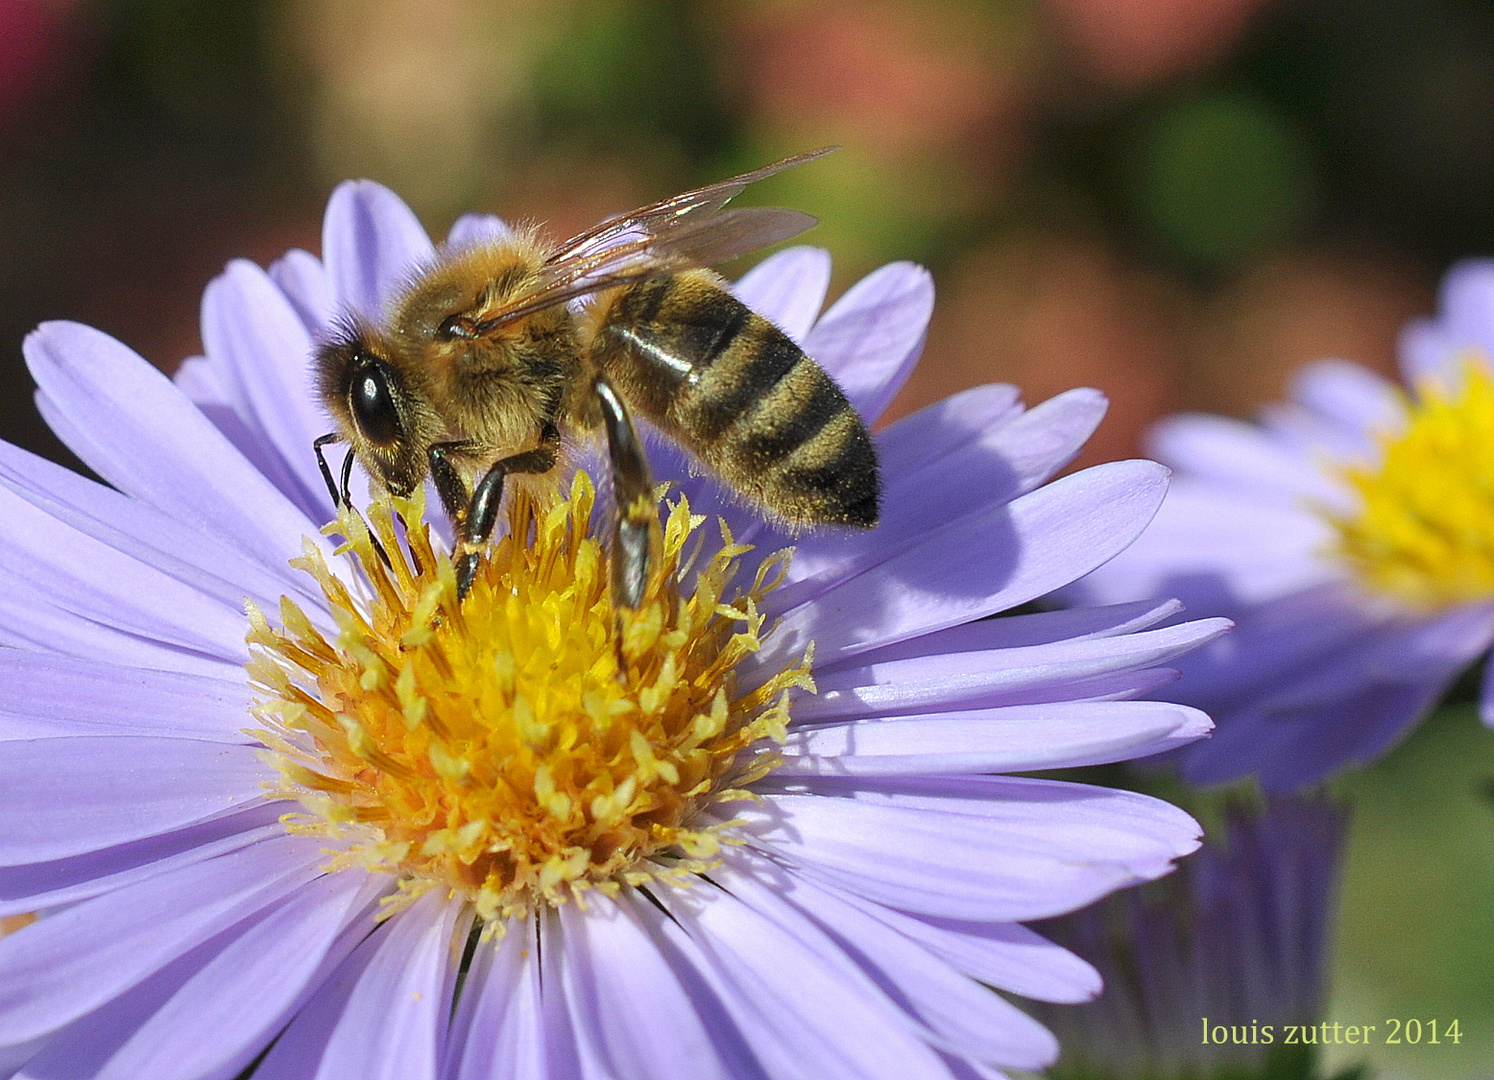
(486, 364)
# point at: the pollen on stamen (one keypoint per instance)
(531, 742)
(1423, 535)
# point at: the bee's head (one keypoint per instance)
(377, 413)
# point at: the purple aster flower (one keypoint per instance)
(470, 841)
(1349, 534)
(1206, 972)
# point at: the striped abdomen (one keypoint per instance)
(735, 391)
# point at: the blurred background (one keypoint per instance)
(1177, 201)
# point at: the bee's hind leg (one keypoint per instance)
(476, 515)
(636, 534)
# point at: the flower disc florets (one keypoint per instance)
(532, 741)
(1424, 532)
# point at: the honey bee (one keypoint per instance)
(485, 365)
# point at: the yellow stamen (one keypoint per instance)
(1423, 535)
(531, 742)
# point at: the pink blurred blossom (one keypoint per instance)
(1129, 43)
(33, 45)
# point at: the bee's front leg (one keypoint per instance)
(339, 500)
(448, 479)
(475, 515)
(636, 534)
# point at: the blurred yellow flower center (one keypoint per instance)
(531, 742)
(1424, 533)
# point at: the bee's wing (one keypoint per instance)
(662, 218)
(690, 229)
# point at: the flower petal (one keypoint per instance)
(788, 288)
(1002, 848)
(210, 564)
(1286, 640)
(1240, 457)
(1005, 955)
(958, 1014)
(29, 620)
(69, 795)
(1290, 754)
(947, 427)
(68, 964)
(931, 683)
(43, 695)
(1019, 631)
(99, 583)
(371, 243)
(205, 1024)
(474, 230)
(384, 1013)
(32, 887)
(983, 563)
(138, 431)
(1486, 694)
(627, 1007)
(499, 1031)
(1010, 458)
(1352, 397)
(250, 329)
(1466, 305)
(302, 278)
(201, 381)
(803, 1011)
(1216, 551)
(870, 338)
(1017, 738)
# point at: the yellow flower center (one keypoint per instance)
(533, 741)
(1424, 533)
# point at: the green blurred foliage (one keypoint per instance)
(1416, 932)
(627, 75)
(1221, 177)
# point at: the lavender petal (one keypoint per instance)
(69, 795)
(1013, 739)
(371, 244)
(140, 433)
(788, 288)
(68, 964)
(870, 338)
(983, 563)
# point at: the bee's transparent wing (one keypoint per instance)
(690, 229)
(663, 218)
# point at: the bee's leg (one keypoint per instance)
(341, 498)
(636, 534)
(346, 478)
(476, 520)
(449, 483)
(321, 463)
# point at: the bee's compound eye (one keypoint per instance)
(373, 404)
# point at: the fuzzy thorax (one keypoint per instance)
(1423, 535)
(531, 742)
